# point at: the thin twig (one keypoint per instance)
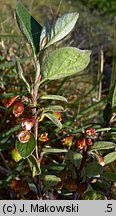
(100, 73)
(6, 165)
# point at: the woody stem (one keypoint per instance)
(83, 161)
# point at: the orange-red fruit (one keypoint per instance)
(11, 101)
(80, 143)
(101, 160)
(18, 108)
(44, 137)
(23, 136)
(58, 115)
(28, 123)
(19, 186)
(90, 131)
(68, 141)
(89, 141)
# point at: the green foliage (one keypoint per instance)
(103, 6)
(53, 119)
(102, 145)
(21, 74)
(60, 158)
(50, 181)
(54, 108)
(53, 97)
(26, 149)
(54, 150)
(109, 176)
(94, 195)
(93, 169)
(62, 27)
(35, 165)
(110, 157)
(64, 62)
(28, 26)
(74, 158)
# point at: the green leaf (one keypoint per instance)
(93, 169)
(93, 195)
(62, 27)
(15, 155)
(50, 181)
(30, 28)
(53, 119)
(74, 157)
(26, 149)
(110, 157)
(102, 145)
(107, 114)
(35, 165)
(5, 135)
(44, 35)
(114, 97)
(54, 150)
(11, 94)
(64, 62)
(21, 75)
(56, 168)
(54, 108)
(53, 97)
(109, 176)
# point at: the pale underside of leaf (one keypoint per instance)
(53, 97)
(64, 62)
(53, 119)
(21, 75)
(103, 145)
(110, 157)
(54, 109)
(54, 150)
(62, 27)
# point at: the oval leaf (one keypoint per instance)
(64, 62)
(54, 108)
(35, 165)
(53, 119)
(110, 157)
(62, 27)
(25, 149)
(53, 97)
(50, 181)
(93, 195)
(30, 28)
(93, 169)
(109, 176)
(74, 157)
(102, 145)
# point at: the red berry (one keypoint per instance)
(18, 108)
(90, 131)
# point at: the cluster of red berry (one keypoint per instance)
(27, 124)
(87, 138)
